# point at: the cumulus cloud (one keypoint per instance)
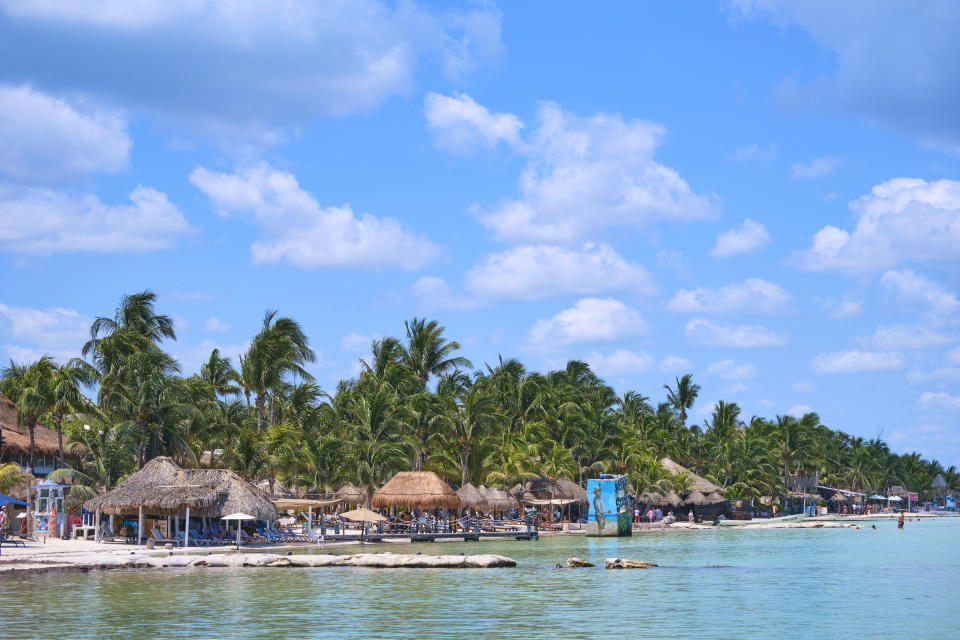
(45, 139)
(913, 287)
(42, 222)
(542, 271)
(29, 332)
(254, 68)
(459, 123)
(589, 320)
(939, 400)
(899, 70)
(703, 332)
(903, 219)
(906, 337)
(620, 362)
(296, 229)
(799, 410)
(816, 168)
(854, 361)
(729, 370)
(749, 237)
(435, 293)
(582, 176)
(675, 363)
(753, 294)
(214, 323)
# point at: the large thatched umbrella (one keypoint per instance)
(696, 498)
(500, 500)
(351, 494)
(471, 497)
(838, 497)
(699, 482)
(416, 490)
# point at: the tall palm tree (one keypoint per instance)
(428, 353)
(682, 396)
(280, 349)
(220, 374)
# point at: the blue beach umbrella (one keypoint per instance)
(5, 500)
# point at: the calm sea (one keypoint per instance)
(827, 583)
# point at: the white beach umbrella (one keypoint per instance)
(895, 498)
(238, 516)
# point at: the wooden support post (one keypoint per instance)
(96, 531)
(140, 526)
(186, 530)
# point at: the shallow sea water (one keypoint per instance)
(790, 583)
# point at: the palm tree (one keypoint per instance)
(10, 476)
(220, 374)
(428, 352)
(683, 396)
(467, 424)
(19, 383)
(281, 348)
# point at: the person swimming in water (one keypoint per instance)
(900, 522)
(598, 510)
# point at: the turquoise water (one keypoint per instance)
(826, 583)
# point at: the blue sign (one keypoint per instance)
(609, 512)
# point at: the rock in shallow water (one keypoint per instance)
(577, 562)
(623, 563)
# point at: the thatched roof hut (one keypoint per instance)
(471, 497)
(416, 490)
(162, 488)
(15, 441)
(351, 494)
(499, 500)
(939, 482)
(700, 483)
(697, 498)
(838, 497)
(541, 488)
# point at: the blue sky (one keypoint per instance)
(765, 194)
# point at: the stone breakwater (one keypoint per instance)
(87, 562)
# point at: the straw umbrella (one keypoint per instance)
(697, 498)
(351, 494)
(471, 497)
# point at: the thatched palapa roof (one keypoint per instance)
(163, 488)
(416, 490)
(499, 500)
(541, 488)
(351, 494)
(16, 440)
(939, 482)
(838, 497)
(471, 497)
(699, 482)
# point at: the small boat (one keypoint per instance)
(797, 517)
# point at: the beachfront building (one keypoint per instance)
(706, 499)
(15, 442)
(164, 501)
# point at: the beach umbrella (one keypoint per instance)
(877, 497)
(238, 517)
(5, 500)
(363, 515)
(895, 498)
(838, 497)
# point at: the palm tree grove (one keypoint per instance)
(415, 405)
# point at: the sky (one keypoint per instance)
(764, 194)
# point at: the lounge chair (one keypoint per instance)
(10, 541)
(197, 540)
(158, 537)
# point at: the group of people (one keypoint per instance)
(656, 515)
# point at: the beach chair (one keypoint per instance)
(265, 535)
(158, 537)
(197, 540)
(10, 541)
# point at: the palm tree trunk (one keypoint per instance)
(33, 451)
(463, 470)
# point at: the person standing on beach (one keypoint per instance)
(900, 521)
(3, 519)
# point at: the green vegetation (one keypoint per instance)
(415, 406)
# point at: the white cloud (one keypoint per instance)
(459, 123)
(542, 271)
(216, 324)
(753, 294)
(296, 229)
(435, 293)
(954, 356)
(816, 168)
(903, 219)
(621, 361)
(703, 332)
(943, 375)
(47, 140)
(906, 337)
(802, 386)
(854, 361)
(41, 221)
(356, 342)
(675, 363)
(587, 174)
(754, 152)
(799, 410)
(729, 370)
(898, 70)
(911, 286)
(589, 320)
(749, 237)
(843, 308)
(253, 69)
(57, 331)
(939, 400)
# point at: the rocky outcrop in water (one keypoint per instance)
(574, 563)
(623, 563)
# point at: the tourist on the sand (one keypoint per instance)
(690, 517)
(650, 515)
(3, 519)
